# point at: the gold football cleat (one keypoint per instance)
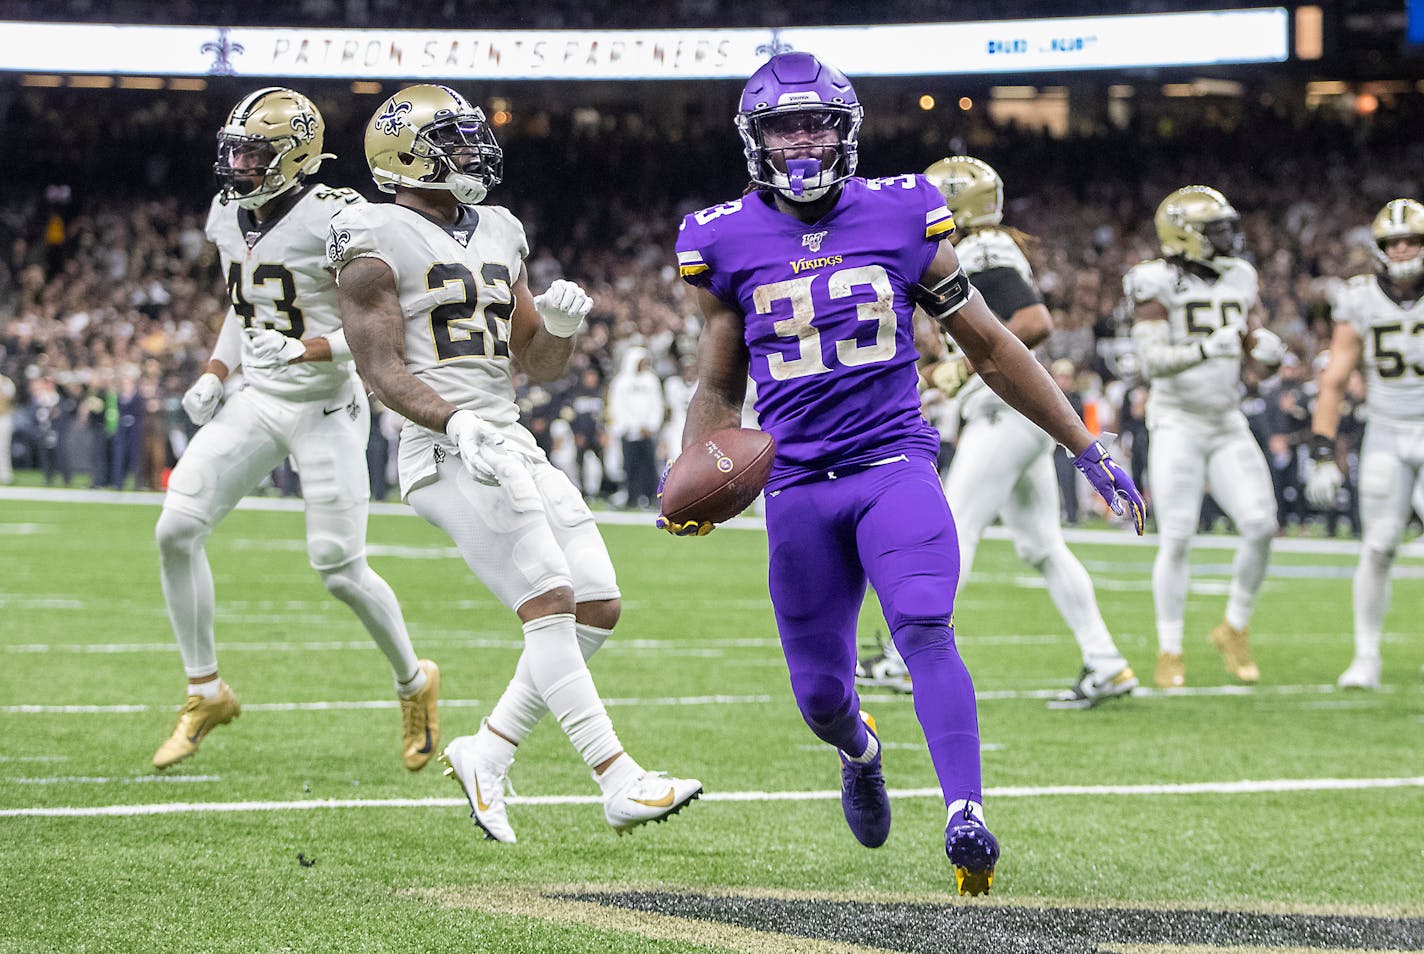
(1235, 648)
(420, 721)
(199, 716)
(1171, 671)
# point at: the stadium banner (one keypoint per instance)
(919, 49)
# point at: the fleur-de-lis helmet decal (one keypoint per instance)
(431, 137)
(271, 141)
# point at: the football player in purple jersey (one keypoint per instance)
(808, 283)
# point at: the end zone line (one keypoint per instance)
(1243, 787)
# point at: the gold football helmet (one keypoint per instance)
(1401, 218)
(271, 140)
(431, 137)
(972, 190)
(1198, 224)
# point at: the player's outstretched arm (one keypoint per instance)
(375, 330)
(722, 362)
(1003, 361)
(1324, 477)
(542, 329)
(1011, 370)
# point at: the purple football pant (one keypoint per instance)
(889, 524)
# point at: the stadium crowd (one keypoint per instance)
(109, 294)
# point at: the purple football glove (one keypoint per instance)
(1112, 483)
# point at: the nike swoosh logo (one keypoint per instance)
(664, 802)
(325, 411)
(480, 802)
(425, 749)
(197, 736)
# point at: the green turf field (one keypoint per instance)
(697, 686)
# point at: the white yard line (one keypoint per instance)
(109, 780)
(1242, 787)
(620, 518)
(984, 695)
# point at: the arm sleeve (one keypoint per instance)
(228, 348)
(1005, 291)
(1161, 358)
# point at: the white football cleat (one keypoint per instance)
(651, 797)
(1112, 681)
(1364, 673)
(885, 670)
(484, 782)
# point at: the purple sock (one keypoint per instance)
(945, 706)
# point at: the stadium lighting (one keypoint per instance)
(927, 102)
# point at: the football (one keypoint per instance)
(718, 477)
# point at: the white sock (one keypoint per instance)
(412, 685)
(623, 772)
(521, 707)
(494, 746)
(1071, 589)
(375, 605)
(1372, 593)
(872, 749)
(208, 690)
(1248, 571)
(1170, 574)
(560, 674)
(960, 805)
(188, 588)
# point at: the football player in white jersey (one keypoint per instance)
(436, 304)
(1379, 325)
(301, 398)
(1003, 464)
(1190, 318)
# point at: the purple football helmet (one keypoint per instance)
(800, 102)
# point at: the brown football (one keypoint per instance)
(719, 476)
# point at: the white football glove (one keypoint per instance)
(479, 445)
(201, 400)
(1322, 484)
(949, 375)
(272, 348)
(1224, 342)
(1267, 347)
(563, 308)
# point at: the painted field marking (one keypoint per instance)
(1242, 787)
(985, 695)
(109, 780)
(1118, 537)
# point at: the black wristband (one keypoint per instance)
(1322, 447)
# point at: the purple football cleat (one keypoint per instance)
(863, 797)
(973, 850)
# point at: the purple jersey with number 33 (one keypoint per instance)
(829, 324)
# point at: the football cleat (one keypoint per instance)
(1171, 671)
(1364, 673)
(420, 720)
(1235, 648)
(1097, 685)
(973, 850)
(863, 797)
(884, 670)
(484, 782)
(651, 797)
(199, 716)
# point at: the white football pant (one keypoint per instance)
(1003, 467)
(1391, 485)
(250, 435)
(1186, 454)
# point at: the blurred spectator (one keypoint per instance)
(635, 418)
(1064, 373)
(7, 428)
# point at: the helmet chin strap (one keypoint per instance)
(1406, 270)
